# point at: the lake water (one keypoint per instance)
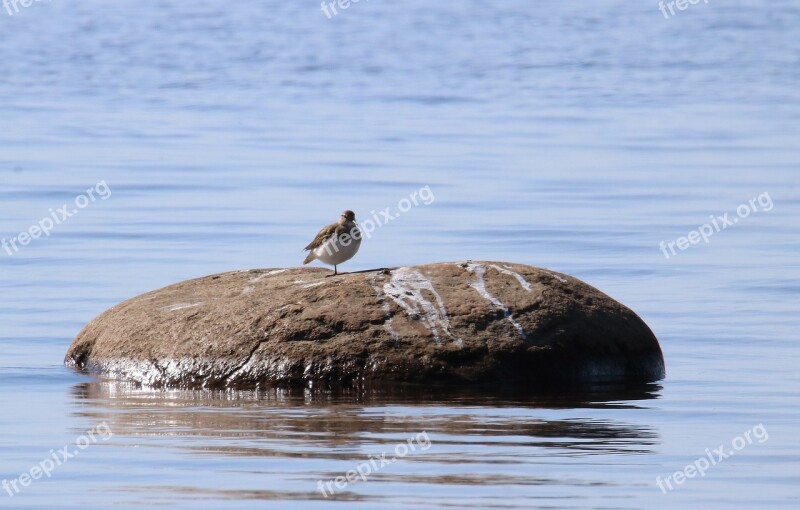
(572, 135)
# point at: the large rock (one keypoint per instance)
(461, 322)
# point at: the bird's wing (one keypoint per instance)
(323, 236)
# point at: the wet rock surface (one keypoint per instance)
(461, 322)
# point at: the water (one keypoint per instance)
(571, 135)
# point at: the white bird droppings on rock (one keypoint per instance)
(387, 310)
(507, 270)
(562, 280)
(180, 306)
(405, 289)
(480, 285)
(268, 273)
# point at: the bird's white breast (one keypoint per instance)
(334, 251)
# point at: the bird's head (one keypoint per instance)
(348, 215)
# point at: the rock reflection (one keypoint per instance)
(480, 438)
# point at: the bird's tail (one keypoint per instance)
(311, 256)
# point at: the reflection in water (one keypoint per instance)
(479, 439)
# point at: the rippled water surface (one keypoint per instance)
(572, 135)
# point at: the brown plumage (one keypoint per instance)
(324, 235)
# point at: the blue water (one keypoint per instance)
(571, 135)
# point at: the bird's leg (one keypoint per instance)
(335, 270)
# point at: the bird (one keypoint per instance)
(336, 243)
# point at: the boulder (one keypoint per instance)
(461, 322)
